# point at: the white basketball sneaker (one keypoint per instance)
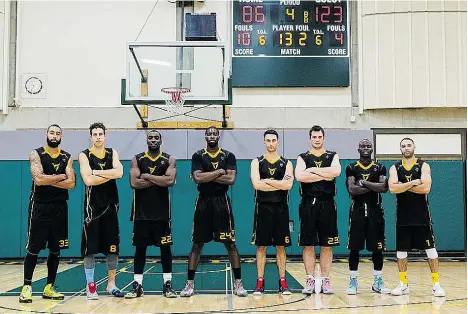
(437, 290)
(401, 289)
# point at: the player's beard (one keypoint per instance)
(212, 144)
(154, 149)
(53, 144)
(408, 154)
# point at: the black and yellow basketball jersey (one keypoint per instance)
(321, 188)
(272, 169)
(51, 164)
(412, 208)
(99, 197)
(371, 173)
(151, 203)
(204, 161)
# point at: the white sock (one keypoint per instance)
(138, 278)
(353, 273)
(377, 273)
(167, 277)
(310, 276)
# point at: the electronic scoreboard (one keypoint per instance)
(290, 43)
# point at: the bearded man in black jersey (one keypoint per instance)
(410, 179)
(365, 180)
(53, 175)
(316, 170)
(272, 178)
(214, 170)
(151, 174)
(100, 167)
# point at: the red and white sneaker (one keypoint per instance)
(260, 288)
(91, 291)
(283, 287)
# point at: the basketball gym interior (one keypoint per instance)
(377, 70)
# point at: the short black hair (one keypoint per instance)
(270, 131)
(316, 128)
(212, 127)
(407, 138)
(96, 125)
(365, 139)
(54, 125)
(153, 131)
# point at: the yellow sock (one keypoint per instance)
(435, 278)
(403, 277)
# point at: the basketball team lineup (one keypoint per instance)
(213, 170)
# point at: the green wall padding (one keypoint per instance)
(446, 203)
(12, 215)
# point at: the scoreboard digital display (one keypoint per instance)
(290, 43)
(290, 28)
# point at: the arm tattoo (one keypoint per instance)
(36, 166)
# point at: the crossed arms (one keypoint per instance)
(62, 181)
(268, 185)
(145, 180)
(220, 176)
(100, 176)
(418, 186)
(363, 186)
(315, 174)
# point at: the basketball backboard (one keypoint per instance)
(200, 67)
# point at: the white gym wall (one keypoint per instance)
(79, 46)
(415, 59)
(4, 53)
(425, 144)
(79, 49)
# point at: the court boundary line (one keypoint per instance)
(107, 300)
(98, 283)
(262, 309)
(259, 309)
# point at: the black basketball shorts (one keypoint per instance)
(151, 232)
(101, 235)
(47, 226)
(318, 222)
(414, 238)
(271, 225)
(213, 219)
(366, 228)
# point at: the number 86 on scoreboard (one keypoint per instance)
(290, 28)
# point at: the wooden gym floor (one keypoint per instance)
(213, 284)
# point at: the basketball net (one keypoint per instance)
(176, 100)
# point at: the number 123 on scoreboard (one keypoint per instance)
(290, 28)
